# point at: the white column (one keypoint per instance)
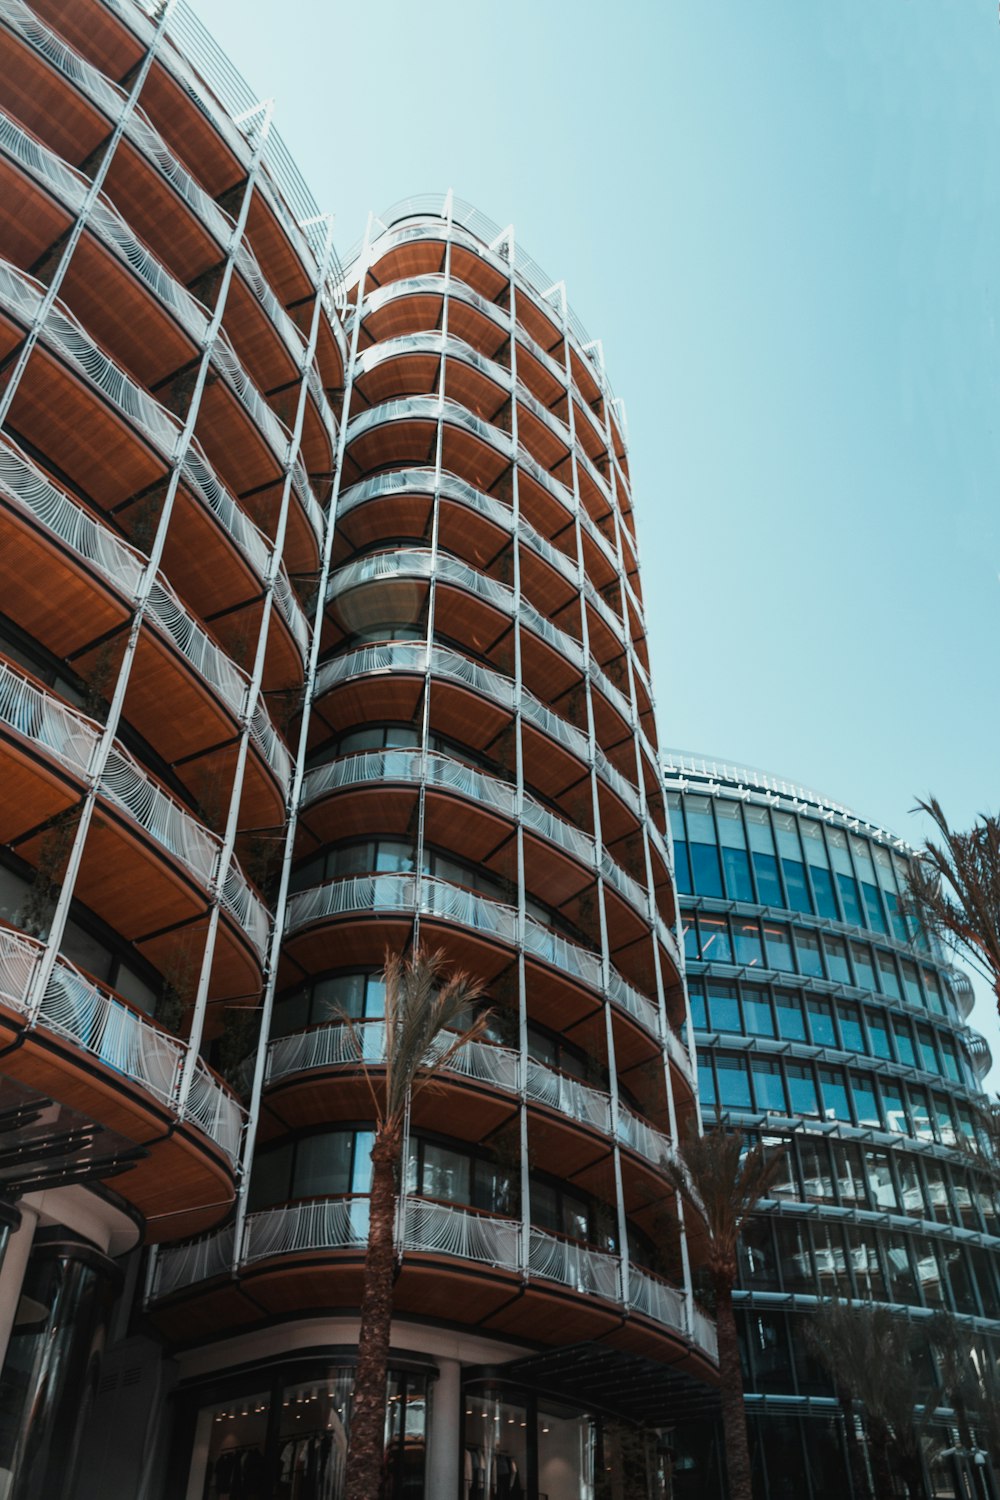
(443, 1450)
(15, 1262)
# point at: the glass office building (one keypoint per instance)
(321, 631)
(825, 1022)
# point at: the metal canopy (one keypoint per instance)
(611, 1381)
(44, 1144)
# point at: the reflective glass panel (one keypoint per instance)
(736, 867)
(746, 935)
(826, 900)
(791, 1022)
(904, 1042)
(878, 1034)
(802, 1089)
(734, 1084)
(866, 1265)
(865, 1103)
(757, 1012)
(836, 959)
(888, 975)
(723, 1008)
(864, 968)
(779, 947)
(807, 951)
(911, 982)
(768, 1088)
(821, 1025)
(715, 944)
(851, 1035)
(835, 1100)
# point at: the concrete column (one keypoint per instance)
(444, 1438)
(15, 1262)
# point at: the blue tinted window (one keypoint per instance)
(850, 900)
(715, 945)
(795, 885)
(757, 1012)
(807, 951)
(700, 823)
(779, 947)
(802, 1089)
(768, 1087)
(900, 928)
(691, 949)
(705, 869)
(852, 1037)
(836, 960)
(865, 1103)
(723, 1008)
(835, 1100)
(821, 1025)
(826, 901)
(911, 982)
(746, 935)
(791, 1022)
(876, 918)
(736, 864)
(706, 1084)
(888, 976)
(895, 1109)
(765, 867)
(904, 1043)
(864, 967)
(697, 998)
(878, 1034)
(734, 1084)
(682, 867)
(933, 989)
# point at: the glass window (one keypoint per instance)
(323, 1164)
(943, 1119)
(852, 1038)
(757, 1011)
(911, 1187)
(849, 1170)
(904, 1041)
(928, 1271)
(784, 1185)
(836, 959)
(706, 1084)
(835, 1101)
(758, 1264)
(791, 1022)
(937, 1191)
(779, 947)
(767, 1343)
(271, 1179)
(746, 933)
(794, 1255)
(962, 1289)
(831, 1260)
(911, 982)
(897, 921)
(902, 1282)
(865, 1104)
(700, 823)
(808, 954)
(821, 1025)
(880, 1182)
(705, 869)
(933, 989)
(814, 1160)
(765, 865)
(723, 1007)
(715, 944)
(878, 1034)
(864, 968)
(735, 861)
(850, 900)
(895, 1109)
(691, 948)
(802, 1089)
(923, 1122)
(447, 1174)
(792, 865)
(768, 1087)
(888, 976)
(950, 1058)
(826, 900)
(734, 1084)
(928, 1052)
(866, 1267)
(814, 844)
(876, 916)
(682, 869)
(699, 1015)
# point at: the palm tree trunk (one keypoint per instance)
(878, 1448)
(855, 1457)
(365, 1459)
(734, 1420)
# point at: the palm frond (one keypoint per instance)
(723, 1182)
(954, 889)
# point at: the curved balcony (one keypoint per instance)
(420, 482)
(420, 564)
(337, 1046)
(410, 657)
(126, 1074)
(356, 896)
(479, 444)
(120, 567)
(961, 987)
(382, 768)
(433, 1230)
(60, 734)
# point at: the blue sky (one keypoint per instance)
(782, 219)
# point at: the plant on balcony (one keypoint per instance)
(426, 1022)
(722, 1182)
(954, 890)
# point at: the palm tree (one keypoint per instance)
(866, 1350)
(421, 1004)
(954, 890)
(722, 1183)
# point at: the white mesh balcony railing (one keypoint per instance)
(107, 95)
(248, 909)
(568, 1096)
(357, 894)
(663, 1303)
(590, 1272)
(643, 1138)
(78, 1009)
(323, 408)
(705, 1334)
(440, 1229)
(186, 1265)
(412, 656)
(129, 787)
(308, 501)
(21, 295)
(44, 721)
(249, 269)
(197, 646)
(323, 1224)
(291, 610)
(271, 745)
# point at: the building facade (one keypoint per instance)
(825, 1023)
(321, 633)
